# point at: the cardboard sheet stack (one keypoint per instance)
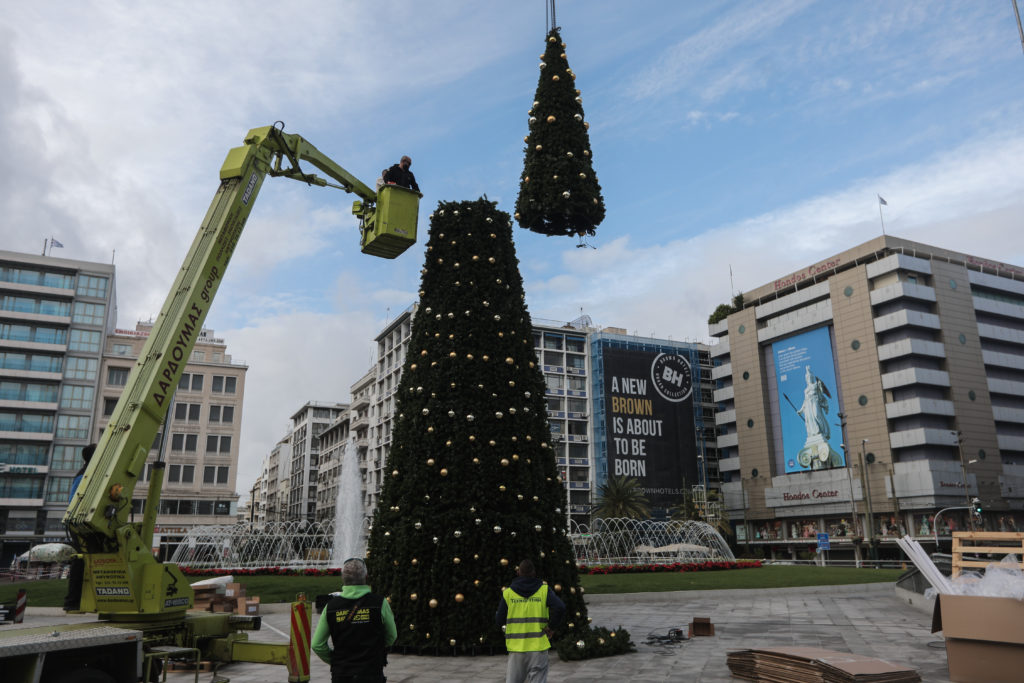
(814, 665)
(220, 595)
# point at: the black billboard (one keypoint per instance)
(649, 421)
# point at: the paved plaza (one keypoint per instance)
(868, 619)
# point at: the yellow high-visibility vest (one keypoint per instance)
(527, 617)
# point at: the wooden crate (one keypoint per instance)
(985, 542)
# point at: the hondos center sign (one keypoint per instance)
(649, 421)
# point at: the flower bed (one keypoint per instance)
(259, 571)
(677, 567)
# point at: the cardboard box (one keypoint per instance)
(984, 638)
(234, 590)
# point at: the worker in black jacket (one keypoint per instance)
(399, 174)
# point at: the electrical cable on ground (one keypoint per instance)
(667, 644)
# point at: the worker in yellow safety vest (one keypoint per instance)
(527, 611)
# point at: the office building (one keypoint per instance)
(54, 316)
(864, 395)
(308, 422)
(203, 429)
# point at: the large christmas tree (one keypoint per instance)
(558, 190)
(471, 487)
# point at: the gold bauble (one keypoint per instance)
(433, 602)
(526, 138)
(472, 438)
(502, 488)
(452, 354)
(562, 55)
(572, 590)
(600, 641)
(558, 588)
(586, 125)
(504, 562)
(423, 352)
(582, 590)
(456, 560)
(586, 152)
(571, 625)
(486, 357)
(448, 443)
(517, 215)
(452, 642)
(414, 563)
(515, 456)
(552, 39)
(430, 430)
(551, 118)
(476, 461)
(539, 147)
(413, 597)
(459, 597)
(394, 473)
(504, 462)
(476, 582)
(412, 627)
(444, 471)
(555, 77)
(430, 462)
(412, 367)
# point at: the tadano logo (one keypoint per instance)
(672, 377)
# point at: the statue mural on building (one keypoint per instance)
(816, 453)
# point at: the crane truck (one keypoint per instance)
(143, 605)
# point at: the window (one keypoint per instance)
(23, 454)
(168, 507)
(188, 473)
(58, 489)
(577, 362)
(225, 385)
(88, 314)
(222, 475)
(173, 474)
(577, 405)
(73, 426)
(41, 335)
(184, 442)
(209, 474)
(574, 344)
(553, 342)
(122, 350)
(76, 397)
(84, 340)
(108, 406)
(187, 411)
(21, 487)
(198, 356)
(81, 368)
(28, 391)
(27, 276)
(117, 377)
(90, 285)
(222, 507)
(218, 444)
(27, 304)
(190, 382)
(577, 384)
(27, 361)
(186, 507)
(555, 404)
(554, 382)
(224, 414)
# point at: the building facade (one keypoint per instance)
(307, 424)
(201, 438)
(333, 442)
(54, 316)
(867, 393)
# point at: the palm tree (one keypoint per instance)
(622, 497)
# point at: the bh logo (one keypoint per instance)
(672, 378)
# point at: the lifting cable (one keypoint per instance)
(549, 16)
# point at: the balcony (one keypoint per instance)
(1003, 360)
(1006, 386)
(1000, 333)
(918, 406)
(723, 370)
(911, 376)
(922, 436)
(911, 347)
(719, 349)
(1010, 443)
(906, 318)
(728, 440)
(723, 394)
(725, 417)
(1008, 414)
(902, 290)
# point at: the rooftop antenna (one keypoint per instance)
(1016, 11)
(732, 287)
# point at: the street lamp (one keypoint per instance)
(867, 500)
(959, 436)
(853, 499)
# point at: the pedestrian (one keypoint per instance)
(399, 174)
(360, 626)
(86, 457)
(76, 572)
(528, 611)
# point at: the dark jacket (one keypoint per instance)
(526, 587)
(401, 176)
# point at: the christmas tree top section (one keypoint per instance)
(558, 190)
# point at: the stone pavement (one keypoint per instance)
(867, 619)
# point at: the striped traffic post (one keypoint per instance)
(299, 642)
(19, 608)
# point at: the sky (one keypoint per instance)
(735, 142)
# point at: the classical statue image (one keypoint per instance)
(816, 453)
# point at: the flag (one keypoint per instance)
(881, 201)
(55, 243)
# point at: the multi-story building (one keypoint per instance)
(333, 442)
(275, 477)
(571, 357)
(54, 315)
(307, 424)
(864, 394)
(203, 429)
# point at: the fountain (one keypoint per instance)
(349, 517)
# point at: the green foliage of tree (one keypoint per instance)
(622, 497)
(725, 310)
(471, 487)
(558, 189)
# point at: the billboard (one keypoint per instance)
(805, 378)
(649, 421)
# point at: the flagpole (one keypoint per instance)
(880, 217)
(44, 246)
